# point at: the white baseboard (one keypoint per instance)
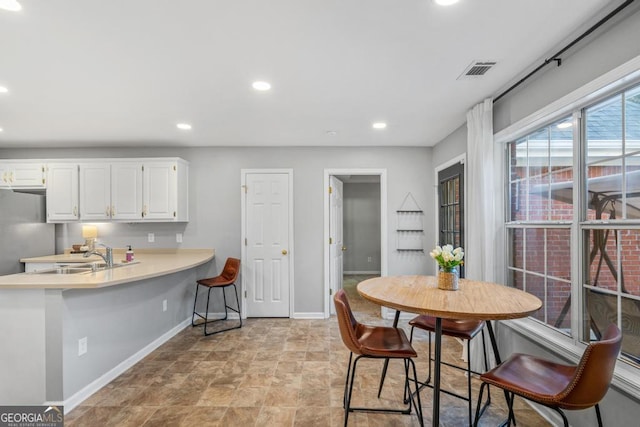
(361, 272)
(318, 315)
(117, 370)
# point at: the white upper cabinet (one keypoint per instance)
(126, 191)
(62, 192)
(95, 191)
(165, 190)
(22, 175)
(98, 190)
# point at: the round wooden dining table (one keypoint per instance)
(473, 300)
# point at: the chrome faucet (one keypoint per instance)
(107, 257)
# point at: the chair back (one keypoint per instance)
(594, 372)
(346, 322)
(231, 269)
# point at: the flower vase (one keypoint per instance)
(448, 280)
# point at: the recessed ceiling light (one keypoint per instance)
(11, 5)
(564, 125)
(332, 133)
(183, 126)
(379, 125)
(261, 85)
(3, 89)
(445, 2)
(1, 129)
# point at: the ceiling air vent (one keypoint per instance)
(477, 69)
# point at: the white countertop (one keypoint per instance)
(150, 263)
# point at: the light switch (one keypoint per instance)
(151, 237)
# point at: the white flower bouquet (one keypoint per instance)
(447, 257)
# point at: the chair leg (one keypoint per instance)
(226, 311)
(469, 378)
(346, 382)
(564, 417)
(194, 306)
(353, 373)
(418, 404)
(477, 419)
(598, 415)
(206, 313)
(512, 416)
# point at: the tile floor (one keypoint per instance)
(272, 372)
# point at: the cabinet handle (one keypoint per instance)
(108, 211)
(75, 211)
(113, 211)
(11, 177)
(174, 214)
(144, 211)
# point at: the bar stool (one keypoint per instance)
(465, 329)
(556, 385)
(374, 342)
(226, 278)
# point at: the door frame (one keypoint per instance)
(382, 173)
(243, 232)
(459, 159)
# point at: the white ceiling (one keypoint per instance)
(124, 72)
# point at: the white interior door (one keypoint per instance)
(336, 242)
(266, 275)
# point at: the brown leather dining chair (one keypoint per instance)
(465, 329)
(227, 278)
(374, 342)
(556, 385)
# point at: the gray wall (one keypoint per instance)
(214, 203)
(601, 54)
(451, 147)
(361, 219)
(23, 353)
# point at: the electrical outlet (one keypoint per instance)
(368, 259)
(178, 237)
(164, 305)
(151, 237)
(82, 346)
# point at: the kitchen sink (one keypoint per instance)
(83, 268)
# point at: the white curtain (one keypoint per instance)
(484, 201)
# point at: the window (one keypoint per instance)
(540, 218)
(550, 194)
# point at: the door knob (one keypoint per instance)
(284, 252)
(344, 248)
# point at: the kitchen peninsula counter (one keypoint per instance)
(148, 264)
(121, 314)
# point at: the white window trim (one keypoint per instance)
(626, 376)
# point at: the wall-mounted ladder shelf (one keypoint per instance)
(410, 227)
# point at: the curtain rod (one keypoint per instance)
(555, 58)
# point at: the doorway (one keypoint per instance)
(267, 242)
(346, 257)
(450, 205)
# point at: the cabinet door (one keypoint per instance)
(126, 191)
(5, 171)
(22, 175)
(62, 192)
(95, 191)
(159, 191)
